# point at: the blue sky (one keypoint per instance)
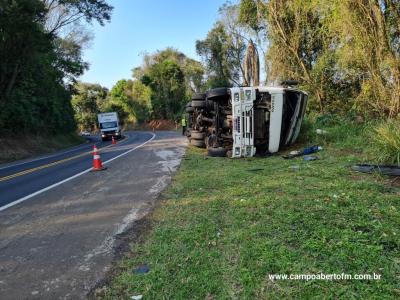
(140, 26)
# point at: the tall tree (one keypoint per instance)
(221, 69)
(172, 78)
(223, 50)
(87, 101)
(369, 52)
(38, 62)
(251, 66)
(167, 82)
(299, 42)
(345, 53)
(63, 13)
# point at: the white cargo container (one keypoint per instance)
(109, 125)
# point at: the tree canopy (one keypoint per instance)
(345, 53)
(172, 78)
(38, 64)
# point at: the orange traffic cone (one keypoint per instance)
(97, 164)
(113, 140)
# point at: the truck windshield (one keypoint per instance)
(106, 125)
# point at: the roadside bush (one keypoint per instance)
(386, 142)
(346, 133)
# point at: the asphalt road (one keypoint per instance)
(58, 243)
(22, 178)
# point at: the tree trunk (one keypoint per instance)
(12, 80)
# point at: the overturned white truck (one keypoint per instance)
(246, 121)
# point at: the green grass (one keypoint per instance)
(386, 140)
(227, 223)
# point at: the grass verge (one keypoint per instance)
(227, 224)
(19, 147)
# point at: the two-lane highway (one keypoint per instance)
(60, 242)
(21, 180)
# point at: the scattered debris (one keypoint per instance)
(161, 124)
(310, 158)
(142, 269)
(321, 131)
(305, 151)
(137, 297)
(294, 168)
(255, 169)
(384, 170)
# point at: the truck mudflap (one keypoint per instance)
(243, 122)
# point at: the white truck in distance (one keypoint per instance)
(109, 125)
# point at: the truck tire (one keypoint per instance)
(198, 103)
(218, 94)
(217, 152)
(189, 109)
(199, 97)
(197, 135)
(198, 143)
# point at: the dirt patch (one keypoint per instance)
(158, 125)
(346, 151)
(393, 182)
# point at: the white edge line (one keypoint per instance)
(61, 153)
(72, 149)
(45, 157)
(70, 178)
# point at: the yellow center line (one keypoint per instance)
(51, 164)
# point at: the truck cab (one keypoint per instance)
(109, 125)
(265, 119)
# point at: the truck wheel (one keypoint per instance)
(199, 97)
(218, 94)
(198, 143)
(197, 135)
(199, 103)
(189, 109)
(216, 152)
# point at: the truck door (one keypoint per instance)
(243, 121)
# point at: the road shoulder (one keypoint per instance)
(61, 243)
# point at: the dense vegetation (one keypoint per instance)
(346, 53)
(40, 49)
(159, 89)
